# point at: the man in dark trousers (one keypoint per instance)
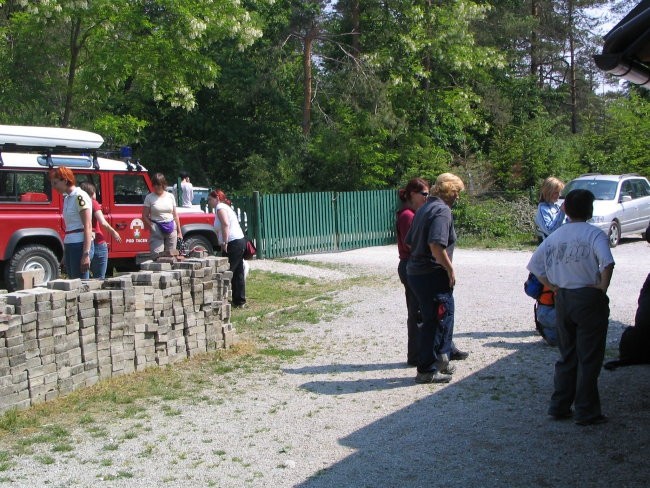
(576, 263)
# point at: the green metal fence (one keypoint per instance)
(301, 223)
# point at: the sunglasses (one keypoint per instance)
(424, 193)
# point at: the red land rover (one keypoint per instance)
(31, 222)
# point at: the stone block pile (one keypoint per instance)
(73, 333)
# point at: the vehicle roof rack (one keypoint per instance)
(628, 174)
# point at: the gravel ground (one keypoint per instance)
(348, 413)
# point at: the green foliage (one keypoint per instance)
(399, 89)
(495, 218)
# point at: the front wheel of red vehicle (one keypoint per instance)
(31, 257)
(198, 242)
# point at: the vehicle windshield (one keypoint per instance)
(602, 189)
(198, 195)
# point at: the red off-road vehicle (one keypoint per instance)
(31, 222)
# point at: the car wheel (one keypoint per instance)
(31, 257)
(199, 242)
(614, 234)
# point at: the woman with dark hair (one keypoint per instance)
(99, 262)
(77, 214)
(159, 215)
(413, 196)
(232, 241)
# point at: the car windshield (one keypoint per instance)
(602, 189)
(198, 195)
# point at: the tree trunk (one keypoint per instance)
(534, 48)
(572, 70)
(355, 15)
(307, 90)
(75, 49)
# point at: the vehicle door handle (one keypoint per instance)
(121, 226)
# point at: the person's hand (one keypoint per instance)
(85, 262)
(179, 234)
(117, 236)
(452, 277)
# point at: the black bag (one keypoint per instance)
(250, 250)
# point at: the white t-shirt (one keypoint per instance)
(573, 256)
(73, 204)
(187, 194)
(235, 228)
(162, 206)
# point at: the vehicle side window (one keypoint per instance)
(91, 178)
(130, 189)
(641, 188)
(25, 187)
(627, 190)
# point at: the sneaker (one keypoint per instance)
(561, 415)
(450, 369)
(442, 364)
(432, 377)
(458, 355)
(600, 419)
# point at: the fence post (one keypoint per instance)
(258, 225)
(337, 226)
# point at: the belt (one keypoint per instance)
(74, 231)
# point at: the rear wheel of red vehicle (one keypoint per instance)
(29, 257)
(198, 242)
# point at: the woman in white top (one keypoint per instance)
(233, 243)
(159, 215)
(78, 245)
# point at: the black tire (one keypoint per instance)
(32, 256)
(614, 234)
(199, 241)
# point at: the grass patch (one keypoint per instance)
(282, 353)
(276, 302)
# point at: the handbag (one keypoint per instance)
(166, 227)
(250, 250)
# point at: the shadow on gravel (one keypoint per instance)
(491, 429)
(344, 368)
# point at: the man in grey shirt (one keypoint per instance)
(187, 190)
(576, 263)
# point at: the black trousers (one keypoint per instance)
(413, 316)
(582, 317)
(235, 256)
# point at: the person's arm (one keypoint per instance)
(146, 214)
(178, 223)
(606, 277)
(99, 215)
(544, 281)
(222, 215)
(86, 219)
(442, 258)
(547, 221)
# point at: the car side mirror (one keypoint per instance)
(626, 198)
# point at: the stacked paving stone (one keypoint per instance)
(73, 333)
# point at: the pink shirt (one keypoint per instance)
(404, 221)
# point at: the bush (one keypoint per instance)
(496, 218)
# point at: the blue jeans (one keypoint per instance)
(437, 308)
(72, 255)
(99, 263)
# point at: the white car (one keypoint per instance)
(622, 205)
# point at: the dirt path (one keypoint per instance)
(348, 414)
